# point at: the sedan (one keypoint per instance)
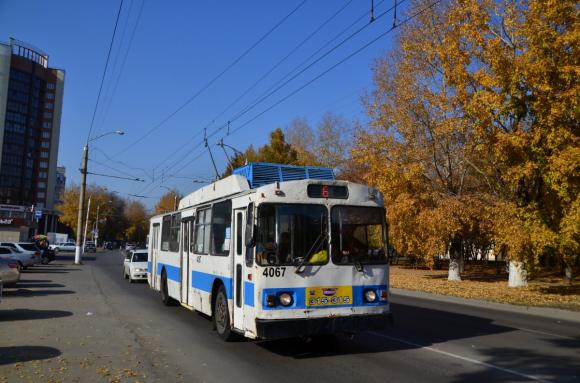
(64, 246)
(9, 274)
(25, 258)
(135, 265)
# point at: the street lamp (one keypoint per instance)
(83, 189)
(174, 196)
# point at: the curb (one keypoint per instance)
(544, 312)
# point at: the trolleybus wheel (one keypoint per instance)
(167, 300)
(221, 316)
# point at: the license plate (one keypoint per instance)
(328, 296)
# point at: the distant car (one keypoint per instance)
(28, 252)
(135, 265)
(9, 272)
(64, 246)
(109, 245)
(90, 247)
(23, 260)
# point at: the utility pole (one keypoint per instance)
(86, 224)
(81, 204)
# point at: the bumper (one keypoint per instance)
(139, 275)
(289, 328)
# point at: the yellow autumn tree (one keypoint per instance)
(168, 202)
(475, 130)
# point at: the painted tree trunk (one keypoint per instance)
(568, 273)
(518, 276)
(454, 261)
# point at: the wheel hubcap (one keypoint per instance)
(220, 313)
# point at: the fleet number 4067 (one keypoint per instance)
(273, 272)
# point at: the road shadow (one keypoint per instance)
(16, 354)
(72, 257)
(18, 292)
(530, 362)
(410, 317)
(26, 314)
(21, 285)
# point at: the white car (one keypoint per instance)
(64, 246)
(22, 259)
(9, 273)
(26, 253)
(135, 265)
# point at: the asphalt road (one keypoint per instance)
(429, 342)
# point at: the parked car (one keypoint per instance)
(135, 265)
(64, 246)
(9, 272)
(27, 254)
(22, 259)
(90, 247)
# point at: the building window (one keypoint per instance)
(42, 175)
(40, 195)
(41, 185)
(50, 85)
(43, 165)
(50, 96)
(45, 134)
(49, 105)
(43, 154)
(45, 144)
(47, 124)
(47, 114)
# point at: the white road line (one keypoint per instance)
(544, 333)
(466, 359)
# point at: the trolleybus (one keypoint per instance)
(276, 251)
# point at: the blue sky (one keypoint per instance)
(178, 47)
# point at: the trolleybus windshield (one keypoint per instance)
(358, 235)
(287, 233)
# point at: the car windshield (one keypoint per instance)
(287, 233)
(28, 246)
(140, 257)
(358, 235)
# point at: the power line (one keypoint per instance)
(105, 71)
(251, 87)
(352, 54)
(214, 79)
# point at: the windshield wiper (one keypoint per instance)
(315, 246)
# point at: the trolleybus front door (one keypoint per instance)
(239, 267)
(153, 260)
(185, 260)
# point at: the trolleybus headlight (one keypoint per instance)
(285, 299)
(370, 295)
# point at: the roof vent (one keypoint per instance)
(261, 173)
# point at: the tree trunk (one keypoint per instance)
(518, 276)
(568, 273)
(455, 260)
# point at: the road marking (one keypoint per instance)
(466, 359)
(545, 333)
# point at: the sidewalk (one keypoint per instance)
(55, 326)
(550, 313)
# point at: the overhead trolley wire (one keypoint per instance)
(213, 80)
(352, 54)
(251, 87)
(105, 71)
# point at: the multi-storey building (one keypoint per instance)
(31, 97)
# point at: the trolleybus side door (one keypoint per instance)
(154, 250)
(185, 259)
(239, 267)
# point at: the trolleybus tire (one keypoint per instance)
(221, 316)
(167, 300)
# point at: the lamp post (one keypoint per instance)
(82, 192)
(96, 230)
(174, 196)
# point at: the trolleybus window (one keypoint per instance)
(165, 229)
(358, 235)
(202, 225)
(221, 231)
(289, 233)
(174, 232)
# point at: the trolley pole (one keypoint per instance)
(81, 205)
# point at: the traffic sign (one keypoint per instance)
(38, 213)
